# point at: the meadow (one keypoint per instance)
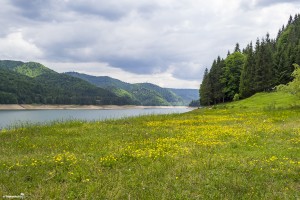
(244, 150)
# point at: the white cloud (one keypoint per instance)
(14, 46)
(166, 41)
(165, 79)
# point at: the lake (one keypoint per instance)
(12, 118)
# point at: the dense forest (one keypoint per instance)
(258, 67)
(27, 83)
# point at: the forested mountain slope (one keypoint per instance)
(34, 83)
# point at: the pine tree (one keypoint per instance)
(290, 20)
(259, 72)
(237, 48)
(215, 79)
(268, 64)
(246, 87)
(256, 69)
(205, 90)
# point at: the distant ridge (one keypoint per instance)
(144, 93)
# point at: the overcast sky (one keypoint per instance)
(165, 42)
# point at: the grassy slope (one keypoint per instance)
(275, 100)
(246, 150)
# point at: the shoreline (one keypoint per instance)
(77, 107)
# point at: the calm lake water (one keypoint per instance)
(12, 118)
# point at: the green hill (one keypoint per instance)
(34, 83)
(102, 81)
(273, 100)
(33, 69)
(142, 93)
(166, 94)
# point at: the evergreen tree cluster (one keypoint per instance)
(256, 68)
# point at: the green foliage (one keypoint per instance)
(236, 97)
(195, 103)
(102, 81)
(292, 87)
(141, 93)
(8, 98)
(161, 93)
(34, 83)
(32, 69)
(246, 87)
(215, 75)
(260, 101)
(205, 90)
(287, 51)
(232, 73)
(224, 153)
(257, 69)
(10, 64)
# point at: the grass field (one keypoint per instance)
(245, 150)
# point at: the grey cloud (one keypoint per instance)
(34, 9)
(140, 36)
(105, 10)
(271, 2)
(186, 72)
(110, 10)
(139, 66)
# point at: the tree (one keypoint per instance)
(232, 73)
(258, 68)
(194, 103)
(215, 76)
(205, 90)
(237, 48)
(246, 86)
(293, 87)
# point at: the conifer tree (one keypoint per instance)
(237, 48)
(256, 69)
(205, 90)
(246, 87)
(215, 79)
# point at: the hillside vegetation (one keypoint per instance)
(142, 93)
(27, 83)
(243, 150)
(271, 101)
(31, 82)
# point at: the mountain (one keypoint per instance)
(32, 82)
(143, 93)
(188, 95)
(102, 81)
(164, 93)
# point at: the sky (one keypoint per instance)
(165, 42)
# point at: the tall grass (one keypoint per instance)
(223, 153)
